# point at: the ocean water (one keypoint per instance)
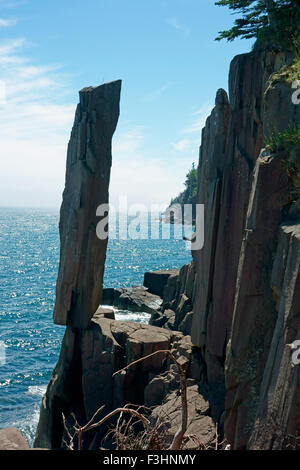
(29, 255)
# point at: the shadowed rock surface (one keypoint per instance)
(82, 253)
(83, 379)
(254, 313)
(155, 281)
(277, 421)
(241, 312)
(176, 311)
(242, 307)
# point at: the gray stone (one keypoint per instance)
(12, 439)
(136, 299)
(82, 253)
(156, 281)
(83, 380)
(254, 313)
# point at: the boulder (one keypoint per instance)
(136, 299)
(108, 296)
(169, 293)
(165, 319)
(105, 313)
(12, 439)
(82, 253)
(155, 281)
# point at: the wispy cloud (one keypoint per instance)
(189, 144)
(35, 123)
(12, 3)
(176, 24)
(129, 142)
(198, 121)
(7, 23)
(182, 145)
(142, 178)
(156, 94)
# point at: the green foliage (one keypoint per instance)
(188, 196)
(285, 140)
(274, 23)
(287, 73)
(288, 142)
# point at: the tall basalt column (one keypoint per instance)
(82, 253)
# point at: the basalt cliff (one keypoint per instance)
(231, 317)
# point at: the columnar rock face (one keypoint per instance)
(238, 299)
(254, 313)
(231, 142)
(277, 421)
(176, 311)
(244, 308)
(260, 374)
(82, 255)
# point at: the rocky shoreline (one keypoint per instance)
(230, 318)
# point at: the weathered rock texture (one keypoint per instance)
(82, 255)
(277, 420)
(238, 299)
(254, 311)
(155, 281)
(12, 439)
(83, 378)
(136, 299)
(176, 311)
(245, 311)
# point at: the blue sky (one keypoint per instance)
(171, 67)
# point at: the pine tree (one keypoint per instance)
(272, 20)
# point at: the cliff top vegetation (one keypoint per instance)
(188, 196)
(274, 23)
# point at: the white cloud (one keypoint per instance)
(34, 132)
(198, 122)
(142, 179)
(35, 124)
(12, 3)
(176, 24)
(156, 94)
(34, 129)
(190, 143)
(129, 142)
(182, 145)
(7, 23)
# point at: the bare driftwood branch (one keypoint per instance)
(80, 430)
(178, 438)
(129, 409)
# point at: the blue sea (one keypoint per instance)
(29, 256)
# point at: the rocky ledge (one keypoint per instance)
(86, 377)
(136, 299)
